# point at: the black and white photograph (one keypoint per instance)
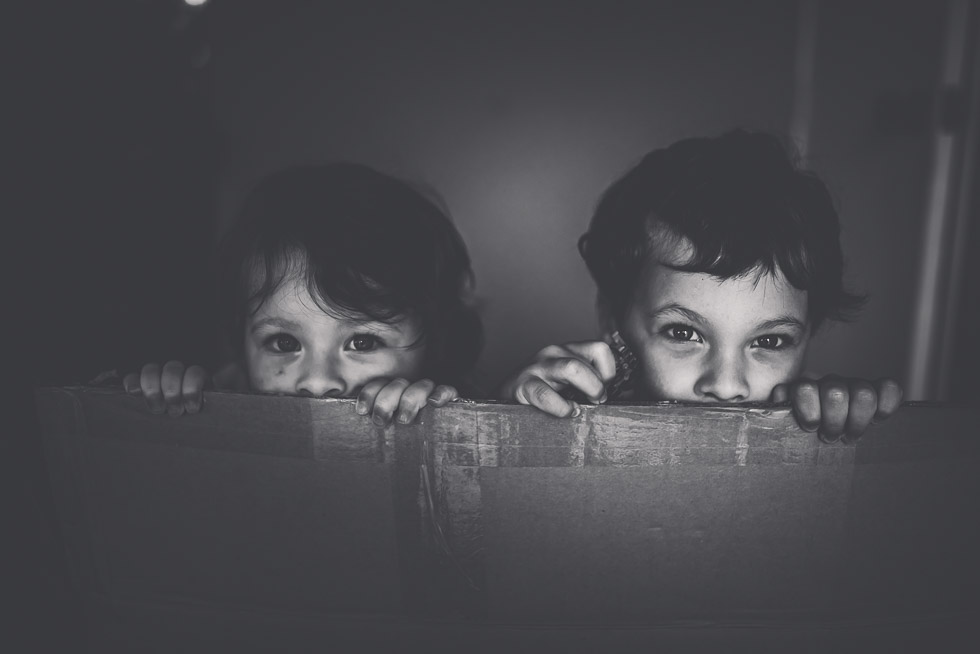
(493, 326)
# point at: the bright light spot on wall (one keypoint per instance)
(194, 3)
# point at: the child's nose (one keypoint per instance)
(723, 379)
(321, 378)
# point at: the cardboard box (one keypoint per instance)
(275, 521)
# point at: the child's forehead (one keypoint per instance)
(289, 292)
(756, 295)
(292, 297)
(293, 293)
(289, 264)
(292, 302)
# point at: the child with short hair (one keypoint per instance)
(716, 259)
(337, 281)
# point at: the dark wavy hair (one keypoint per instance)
(369, 246)
(742, 201)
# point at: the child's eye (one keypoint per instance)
(364, 342)
(772, 342)
(682, 333)
(282, 343)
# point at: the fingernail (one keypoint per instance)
(826, 438)
(174, 411)
(361, 409)
(433, 400)
(576, 411)
(403, 418)
(379, 420)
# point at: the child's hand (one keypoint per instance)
(173, 388)
(386, 398)
(584, 367)
(839, 408)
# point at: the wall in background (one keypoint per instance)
(520, 114)
(877, 67)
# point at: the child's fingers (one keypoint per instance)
(889, 398)
(171, 384)
(541, 395)
(150, 383)
(386, 401)
(863, 404)
(834, 404)
(576, 373)
(805, 397)
(413, 399)
(131, 384)
(442, 395)
(780, 394)
(599, 354)
(368, 393)
(193, 388)
(583, 366)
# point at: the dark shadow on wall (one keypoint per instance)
(110, 227)
(120, 163)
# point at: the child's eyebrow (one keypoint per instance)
(281, 323)
(673, 307)
(782, 321)
(370, 323)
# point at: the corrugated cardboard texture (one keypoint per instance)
(657, 516)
